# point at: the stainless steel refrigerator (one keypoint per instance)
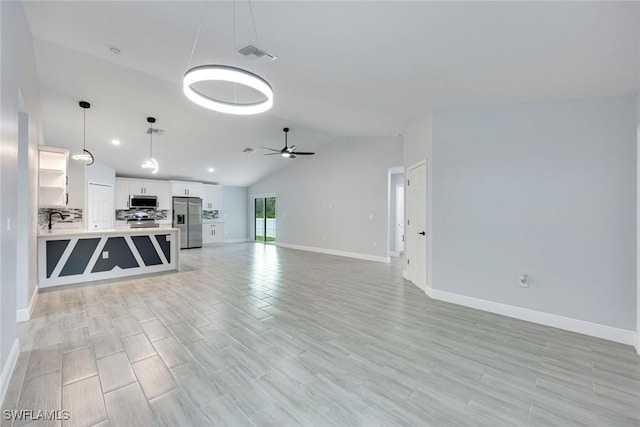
(187, 216)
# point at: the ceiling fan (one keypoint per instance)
(287, 151)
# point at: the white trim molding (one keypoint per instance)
(574, 325)
(24, 314)
(337, 253)
(7, 370)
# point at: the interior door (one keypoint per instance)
(416, 236)
(100, 204)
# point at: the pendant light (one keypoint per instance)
(151, 163)
(225, 73)
(86, 155)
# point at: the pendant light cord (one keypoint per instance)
(233, 19)
(253, 20)
(84, 129)
(195, 41)
(151, 141)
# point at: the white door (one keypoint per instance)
(399, 218)
(416, 254)
(100, 205)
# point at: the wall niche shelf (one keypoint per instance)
(52, 176)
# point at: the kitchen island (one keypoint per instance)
(77, 256)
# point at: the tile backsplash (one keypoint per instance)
(71, 216)
(210, 214)
(157, 214)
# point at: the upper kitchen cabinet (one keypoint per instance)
(211, 197)
(165, 201)
(186, 189)
(122, 194)
(143, 188)
(52, 176)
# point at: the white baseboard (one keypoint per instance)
(405, 275)
(7, 370)
(24, 314)
(574, 325)
(338, 253)
(236, 240)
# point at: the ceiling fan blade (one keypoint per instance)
(272, 154)
(304, 153)
(292, 156)
(272, 149)
(292, 148)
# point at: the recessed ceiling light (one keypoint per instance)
(211, 169)
(115, 141)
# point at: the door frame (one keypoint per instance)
(395, 225)
(252, 214)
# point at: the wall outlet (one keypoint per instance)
(524, 281)
(105, 255)
(375, 243)
(324, 237)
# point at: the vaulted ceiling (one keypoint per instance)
(344, 69)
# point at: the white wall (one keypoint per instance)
(547, 190)
(234, 212)
(26, 222)
(326, 201)
(638, 228)
(18, 76)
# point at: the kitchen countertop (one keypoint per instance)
(112, 231)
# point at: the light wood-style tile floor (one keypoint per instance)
(252, 334)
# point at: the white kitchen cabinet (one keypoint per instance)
(52, 176)
(143, 188)
(211, 197)
(212, 234)
(122, 193)
(165, 200)
(186, 189)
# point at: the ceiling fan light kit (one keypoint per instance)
(229, 74)
(86, 155)
(289, 152)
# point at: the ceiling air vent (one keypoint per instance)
(249, 150)
(256, 54)
(155, 131)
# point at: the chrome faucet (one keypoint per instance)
(52, 214)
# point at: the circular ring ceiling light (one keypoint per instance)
(224, 73)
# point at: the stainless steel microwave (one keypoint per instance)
(150, 202)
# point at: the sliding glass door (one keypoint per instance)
(265, 219)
